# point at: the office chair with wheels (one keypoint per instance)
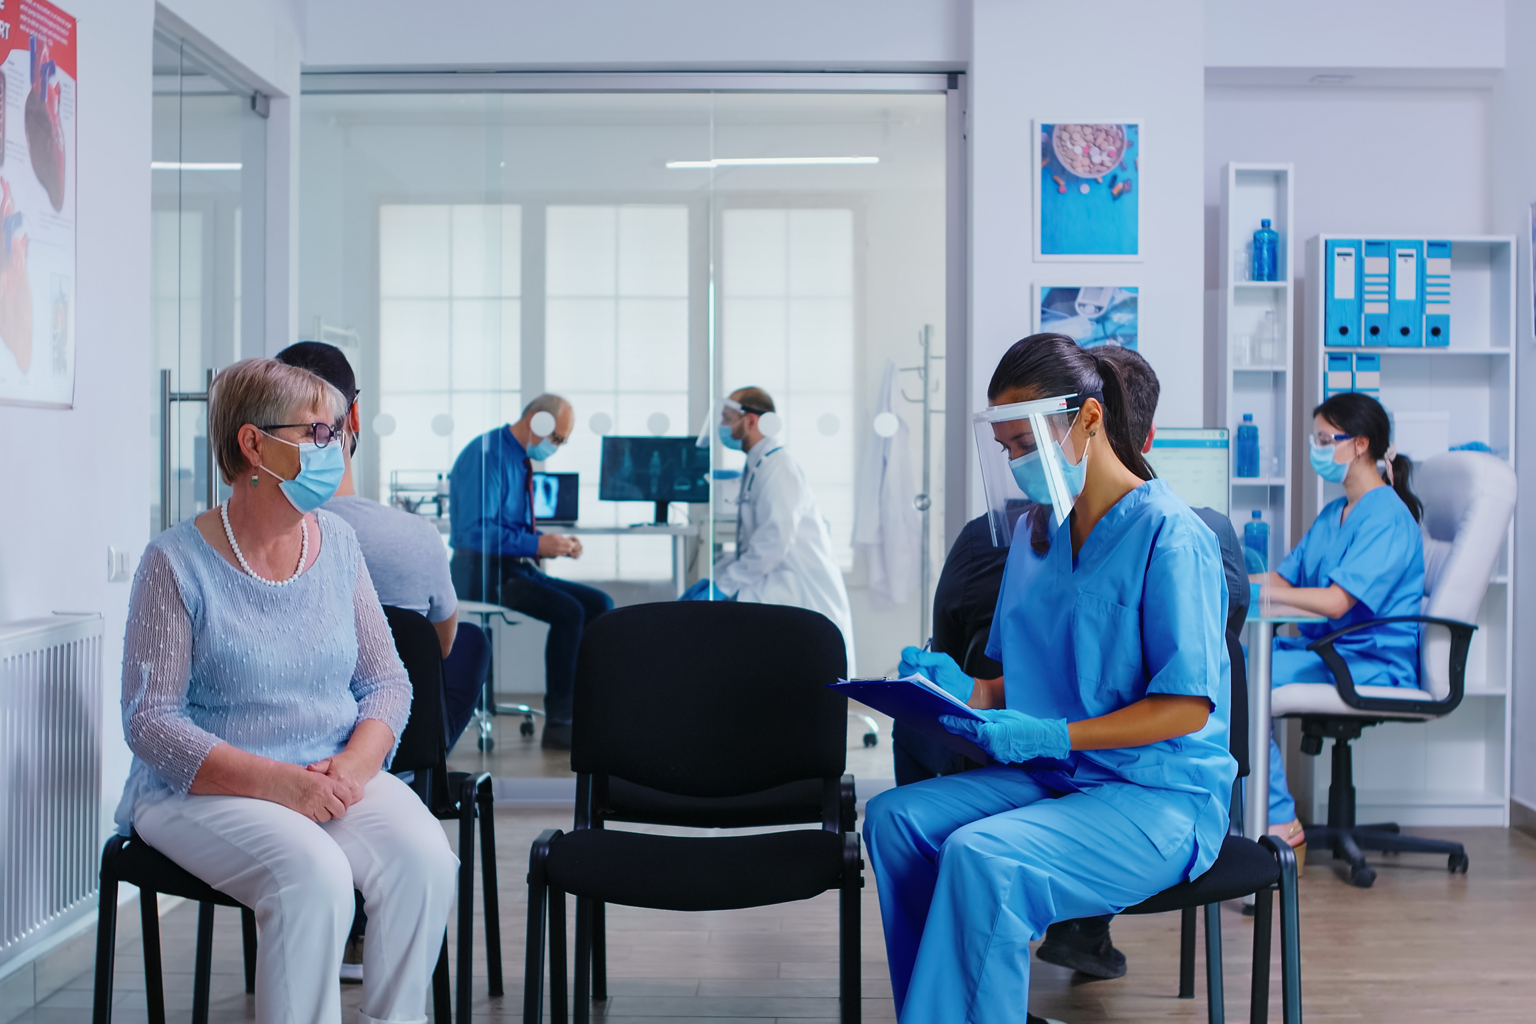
(652, 684)
(1469, 498)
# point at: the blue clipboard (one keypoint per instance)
(913, 702)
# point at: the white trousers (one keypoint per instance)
(298, 876)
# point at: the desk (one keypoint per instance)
(679, 532)
(1264, 615)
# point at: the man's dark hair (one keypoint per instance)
(325, 361)
(329, 364)
(1141, 388)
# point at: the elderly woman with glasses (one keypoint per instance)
(262, 696)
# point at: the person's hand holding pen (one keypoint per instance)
(943, 672)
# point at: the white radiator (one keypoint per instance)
(50, 775)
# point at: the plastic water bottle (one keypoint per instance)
(1256, 543)
(1266, 253)
(1247, 447)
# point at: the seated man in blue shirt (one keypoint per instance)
(496, 546)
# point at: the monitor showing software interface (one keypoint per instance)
(1194, 463)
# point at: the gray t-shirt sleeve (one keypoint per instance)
(442, 602)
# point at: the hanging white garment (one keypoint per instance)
(783, 547)
(886, 525)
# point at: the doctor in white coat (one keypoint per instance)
(783, 547)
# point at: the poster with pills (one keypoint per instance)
(1088, 192)
(37, 204)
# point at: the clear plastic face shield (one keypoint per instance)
(725, 418)
(1028, 456)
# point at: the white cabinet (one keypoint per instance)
(1455, 770)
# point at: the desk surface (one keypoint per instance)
(1274, 611)
(635, 530)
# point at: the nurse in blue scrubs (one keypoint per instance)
(1362, 559)
(1109, 723)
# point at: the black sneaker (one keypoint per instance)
(557, 736)
(1034, 1018)
(1084, 946)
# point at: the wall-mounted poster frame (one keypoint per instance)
(38, 108)
(1087, 192)
(1091, 315)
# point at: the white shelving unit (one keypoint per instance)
(1455, 770)
(1256, 372)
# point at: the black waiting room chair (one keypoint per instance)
(1243, 868)
(653, 683)
(423, 751)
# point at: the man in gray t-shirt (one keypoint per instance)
(404, 553)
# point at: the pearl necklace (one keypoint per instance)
(240, 556)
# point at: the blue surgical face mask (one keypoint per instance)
(320, 471)
(543, 449)
(1029, 474)
(726, 438)
(1325, 467)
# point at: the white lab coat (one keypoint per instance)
(783, 547)
(886, 526)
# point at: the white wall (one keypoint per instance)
(1512, 176)
(1148, 64)
(664, 34)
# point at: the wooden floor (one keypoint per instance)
(1420, 946)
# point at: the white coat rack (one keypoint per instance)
(923, 501)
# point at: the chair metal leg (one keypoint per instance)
(599, 951)
(1258, 1001)
(248, 947)
(106, 949)
(558, 1010)
(582, 996)
(202, 971)
(1216, 1004)
(1290, 941)
(533, 963)
(466, 940)
(442, 1000)
(490, 887)
(154, 979)
(1187, 953)
(849, 990)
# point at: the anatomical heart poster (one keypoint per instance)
(37, 204)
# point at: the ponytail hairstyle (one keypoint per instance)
(1048, 365)
(1362, 416)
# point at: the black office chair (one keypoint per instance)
(652, 684)
(1242, 868)
(450, 796)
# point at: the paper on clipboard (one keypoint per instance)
(918, 703)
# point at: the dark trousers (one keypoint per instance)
(464, 673)
(565, 606)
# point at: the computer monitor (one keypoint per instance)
(556, 498)
(657, 469)
(1195, 464)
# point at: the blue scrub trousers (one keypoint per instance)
(1289, 666)
(972, 867)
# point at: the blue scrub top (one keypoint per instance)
(1377, 557)
(1141, 610)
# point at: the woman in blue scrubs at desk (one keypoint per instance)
(1109, 724)
(1362, 559)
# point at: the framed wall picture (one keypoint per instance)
(1091, 315)
(38, 104)
(1088, 191)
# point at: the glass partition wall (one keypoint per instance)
(206, 258)
(644, 254)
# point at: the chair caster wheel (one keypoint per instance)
(1457, 864)
(870, 739)
(485, 743)
(1362, 877)
(525, 728)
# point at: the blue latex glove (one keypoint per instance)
(704, 590)
(939, 669)
(1013, 736)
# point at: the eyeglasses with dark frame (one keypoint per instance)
(320, 433)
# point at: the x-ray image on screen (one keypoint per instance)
(555, 497)
(657, 469)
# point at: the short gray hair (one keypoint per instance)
(546, 402)
(261, 392)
